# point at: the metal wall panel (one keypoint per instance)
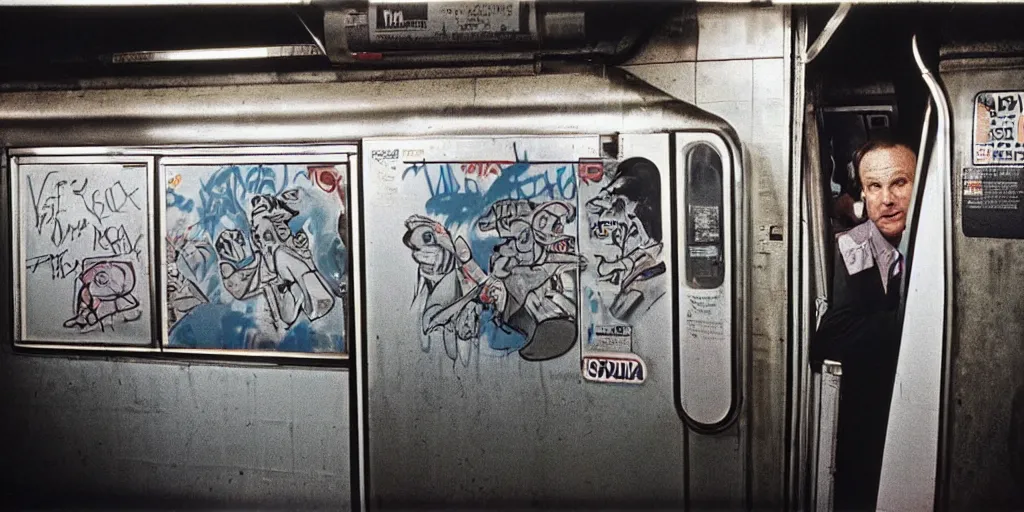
(987, 352)
(88, 432)
(741, 32)
(629, 465)
(481, 425)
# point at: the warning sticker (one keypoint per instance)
(992, 199)
(613, 338)
(992, 188)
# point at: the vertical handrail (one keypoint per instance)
(825, 400)
(943, 148)
(810, 222)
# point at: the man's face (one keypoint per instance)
(887, 176)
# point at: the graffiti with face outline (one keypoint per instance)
(511, 220)
(282, 270)
(533, 273)
(451, 313)
(182, 293)
(105, 293)
(626, 215)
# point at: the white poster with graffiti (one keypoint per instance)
(625, 203)
(85, 253)
(256, 257)
(534, 248)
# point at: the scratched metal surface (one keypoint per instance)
(986, 470)
(556, 103)
(297, 113)
(89, 432)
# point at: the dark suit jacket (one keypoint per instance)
(861, 329)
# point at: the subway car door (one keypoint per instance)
(543, 316)
(982, 450)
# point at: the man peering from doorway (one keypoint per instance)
(861, 328)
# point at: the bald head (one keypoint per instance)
(886, 172)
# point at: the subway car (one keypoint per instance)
(498, 254)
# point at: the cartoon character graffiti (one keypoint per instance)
(182, 293)
(626, 216)
(104, 295)
(535, 269)
(531, 290)
(450, 313)
(247, 267)
(279, 265)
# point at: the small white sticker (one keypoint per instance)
(621, 369)
(613, 338)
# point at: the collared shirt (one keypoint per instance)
(864, 246)
(862, 329)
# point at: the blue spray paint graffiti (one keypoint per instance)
(277, 257)
(513, 283)
(461, 204)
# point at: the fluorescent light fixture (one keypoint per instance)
(258, 52)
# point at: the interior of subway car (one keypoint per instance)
(918, 75)
(865, 85)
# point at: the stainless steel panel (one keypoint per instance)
(114, 433)
(538, 105)
(988, 308)
(479, 425)
(545, 104)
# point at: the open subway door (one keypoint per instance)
(519, 316)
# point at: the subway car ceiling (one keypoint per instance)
(62, 45)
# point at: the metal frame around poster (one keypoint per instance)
(24, 158)
(155, 159)
(242, 157)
